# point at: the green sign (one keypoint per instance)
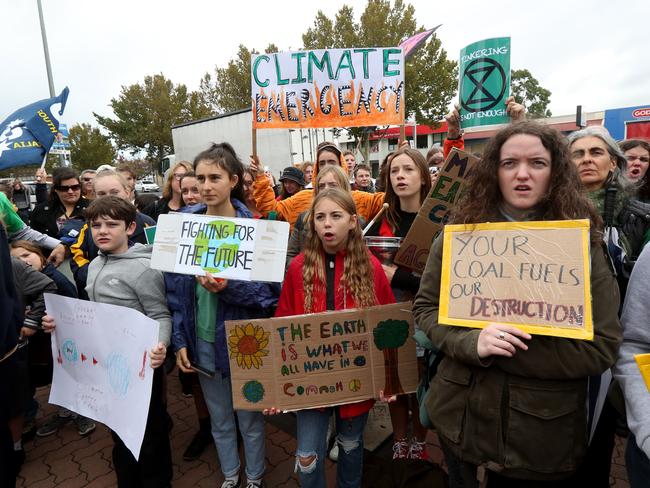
(484, 82)
(150, 234)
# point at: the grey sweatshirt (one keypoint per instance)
(127, 280)
(636, 340)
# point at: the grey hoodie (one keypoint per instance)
(127, 280)
(636, 340)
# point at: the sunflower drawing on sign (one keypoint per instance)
(248, 345)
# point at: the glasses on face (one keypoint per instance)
(87, 180)
(178, 176)
(76, 187)
(643, 159)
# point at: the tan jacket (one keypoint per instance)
(524, 416)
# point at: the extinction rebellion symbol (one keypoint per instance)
(483, 85)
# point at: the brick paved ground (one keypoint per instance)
(69, 461)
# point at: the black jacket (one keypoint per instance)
(44, 215)
(9, 302)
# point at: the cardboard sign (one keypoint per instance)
(531, 275)
(328, 88)
(484, 82)
(323, 359)
(232, 248)
(433, 214)
(101, 364)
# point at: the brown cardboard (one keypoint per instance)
(432, 216)
(323, 359)
(531, 275)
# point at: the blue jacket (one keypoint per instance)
(239, 300)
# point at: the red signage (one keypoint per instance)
(641, 112)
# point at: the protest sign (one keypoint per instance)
(226, 247)
(433, 214)
(531, 275)
(328, 88)
(101, 364)
(643, 362)
(322, 359)
(484, 82)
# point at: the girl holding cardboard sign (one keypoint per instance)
(408, 184)
(335, 272)
(501, 396)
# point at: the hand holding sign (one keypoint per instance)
(500, 340)
(516, 111)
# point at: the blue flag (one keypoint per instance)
(28, 133)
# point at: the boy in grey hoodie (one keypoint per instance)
(121, 275)
(636, 340)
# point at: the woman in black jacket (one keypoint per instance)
(64, 203)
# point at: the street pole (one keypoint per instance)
(46, 50)
(48, 66)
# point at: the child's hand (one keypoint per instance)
(212, 284)
(26, 332)
(182, 361)
(157, 355)
(48, 324)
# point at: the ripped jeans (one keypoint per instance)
(312, 432)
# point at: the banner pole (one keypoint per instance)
(44, 159)
(254, 141)
(402, 134)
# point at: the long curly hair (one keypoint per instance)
(392, 212)
(357, 277)
(565, 199)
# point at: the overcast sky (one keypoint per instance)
(593, 53)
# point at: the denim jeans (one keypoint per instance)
(637, 463)
(218, 397)
(312, 441)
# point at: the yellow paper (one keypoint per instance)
(643, 361)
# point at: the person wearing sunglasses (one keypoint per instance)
(64, 203)
(87, 177)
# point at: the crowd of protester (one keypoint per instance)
(509, 408)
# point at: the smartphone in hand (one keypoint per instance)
(201, 370)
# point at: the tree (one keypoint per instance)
(389, 336)
(145, 114)
(527, 91)
(230, 88)
(89, 148)
(431, 78)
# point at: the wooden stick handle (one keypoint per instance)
(377, 217)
